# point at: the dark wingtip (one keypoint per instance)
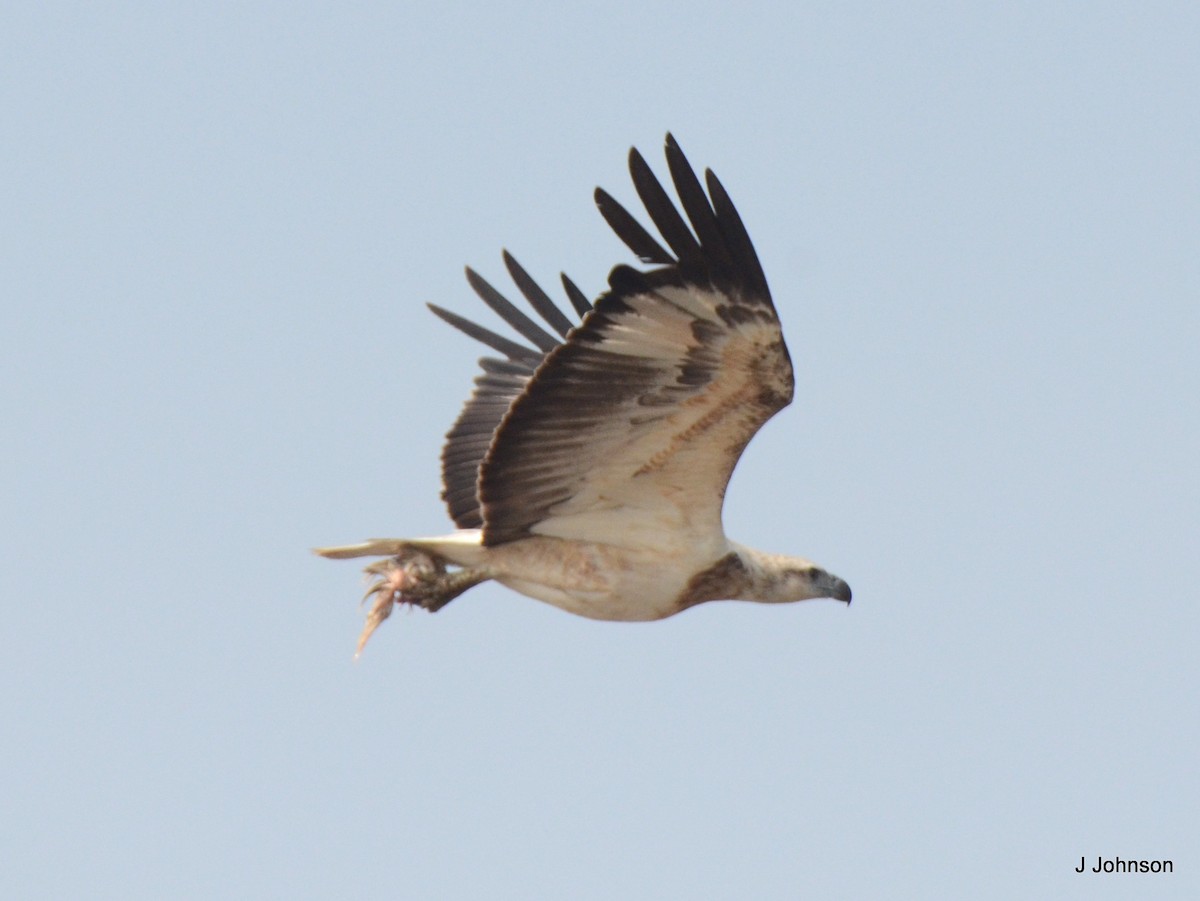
(578, 299)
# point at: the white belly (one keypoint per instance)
(596, 581)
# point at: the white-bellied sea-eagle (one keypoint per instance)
(588, 470)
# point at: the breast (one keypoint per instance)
(725, 580)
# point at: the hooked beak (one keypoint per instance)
(835, 588)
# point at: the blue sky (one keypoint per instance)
(220, 226)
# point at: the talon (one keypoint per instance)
(394, 578)
(400, 581)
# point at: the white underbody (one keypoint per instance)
(599, 581)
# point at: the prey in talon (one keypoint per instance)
(410, 577)
(399, 580)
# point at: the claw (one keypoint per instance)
(393, 579)
(400, 581)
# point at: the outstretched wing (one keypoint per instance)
(633, 426)
(502, 381)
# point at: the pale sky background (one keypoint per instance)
(221, 223)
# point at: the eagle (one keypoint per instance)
(589, 466)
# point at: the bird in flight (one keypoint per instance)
(589, 466)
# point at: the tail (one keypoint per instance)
(373, 547)
(463, 548)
